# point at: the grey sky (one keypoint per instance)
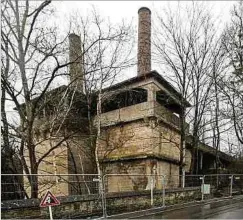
(116, 11)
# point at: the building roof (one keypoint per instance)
(53, 93)
(152, 74)
(205, 148)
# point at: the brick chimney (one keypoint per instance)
(76, 68)
(144, 41)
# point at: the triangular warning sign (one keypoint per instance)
(49, 200)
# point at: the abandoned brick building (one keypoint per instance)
(139, 128)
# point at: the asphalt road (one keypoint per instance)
(227, 209)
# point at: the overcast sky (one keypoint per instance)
(116, 11)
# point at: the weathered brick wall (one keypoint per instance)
(81, 161)
(163, 113)
(139, 139)
(143, 137)
(129, 175)
(55, 162)
(188, 160)
(137, 175)
(60, 161)
(129, 139)
(166, 142)
(171, 174)
(127, 114)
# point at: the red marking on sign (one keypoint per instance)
(49, 200)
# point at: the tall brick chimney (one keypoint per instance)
(144, 41)
(76, 68)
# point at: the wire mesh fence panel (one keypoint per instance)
(75, 192)
(146, 191)
(140, 191)
(126, 182)
(90, 195)
(82, 184)
(237, 184)
(217, 185)
(181, 189)
(16, 186)
(12, 187)
(132, 182)
(172, 181)
(193, 180)
(180, 181)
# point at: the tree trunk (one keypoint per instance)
(182, 148)
(33, 171)
(98, 142)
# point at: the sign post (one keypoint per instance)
(50, 211)
(49, 200)
(202, 186)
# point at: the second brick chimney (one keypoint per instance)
(76, 68)
(144, 41)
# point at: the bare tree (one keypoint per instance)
(35, 57)
(102, 65)
(184, 47)
(9, 161)
(232, 85)
(19, 29)
(232, 40)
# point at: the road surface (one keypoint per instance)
(227, 209)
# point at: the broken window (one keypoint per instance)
(124, 99)
(167, 101)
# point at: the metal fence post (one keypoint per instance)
(231, 184)
(163, 187)
(103, 196)
(183, 178)
(152, 190)
(202, 187)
